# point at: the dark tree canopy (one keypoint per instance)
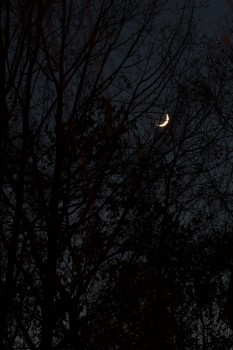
(116, 233)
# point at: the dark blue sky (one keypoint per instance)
(216, 15)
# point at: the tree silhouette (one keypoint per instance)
(100, 208)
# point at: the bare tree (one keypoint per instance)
(85, 165)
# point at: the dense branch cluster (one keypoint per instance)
(111, 227)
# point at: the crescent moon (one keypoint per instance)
(162, 125)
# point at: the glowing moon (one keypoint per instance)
(166, 121)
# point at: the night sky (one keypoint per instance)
(216, 15)
(116, 175)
